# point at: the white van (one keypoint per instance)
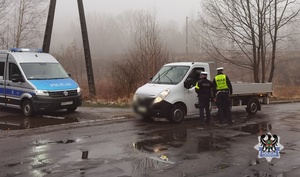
(171, 92)
(35, 81)
(168, 94)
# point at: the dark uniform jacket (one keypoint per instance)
(203, 87)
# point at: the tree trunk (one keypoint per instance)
(20, 23)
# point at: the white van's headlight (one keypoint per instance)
(134, 98)
(42, 93)
(161, 96)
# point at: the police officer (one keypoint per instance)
(203, 89)
(222, 90)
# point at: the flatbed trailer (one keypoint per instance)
(171, 92)
(251, 95)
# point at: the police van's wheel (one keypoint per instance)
(72, 109)
(26, 123)
(252, 106)
(27, 108)
(177, 113)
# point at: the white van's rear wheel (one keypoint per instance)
(27, 108)
(177, 113)
(252, 106)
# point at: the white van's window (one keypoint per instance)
(170, 75)
(13, 69)
(36, 71)
(2, 70)
(194, 75)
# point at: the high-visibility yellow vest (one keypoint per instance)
(221, 82)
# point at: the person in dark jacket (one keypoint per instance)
(203, 89)
(222, 90)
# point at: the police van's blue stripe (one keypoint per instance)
(55, 84)
(14, 92)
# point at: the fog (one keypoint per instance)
(145, 33)
(107, 20)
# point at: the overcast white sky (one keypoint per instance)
(176, 10)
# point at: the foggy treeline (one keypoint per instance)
(256, 41)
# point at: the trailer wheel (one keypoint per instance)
(177, 113)
(27, 108)
(252, 106)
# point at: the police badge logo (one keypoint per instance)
(269, 146)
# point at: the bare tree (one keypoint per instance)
(22, 25)
(246, 32)
(145, 56)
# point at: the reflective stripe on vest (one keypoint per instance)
(197, 86)
(221, 82)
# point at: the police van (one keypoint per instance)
(34, 81)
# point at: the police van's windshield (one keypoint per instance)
(170, 75)
(36, 71)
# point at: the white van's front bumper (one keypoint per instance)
(145, 107)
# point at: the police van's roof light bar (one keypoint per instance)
(26, 50)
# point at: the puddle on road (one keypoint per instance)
(210, 139)
(210, 143)
(20, 122)
(161, 140)
(254, 128)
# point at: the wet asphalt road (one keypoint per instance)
(120, 145)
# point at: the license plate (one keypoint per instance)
(141, 109)
(67, 103)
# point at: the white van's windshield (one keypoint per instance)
(170, 75)
(39, 71)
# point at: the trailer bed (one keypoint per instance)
(251, 88)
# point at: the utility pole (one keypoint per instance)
(186, 38)
(86, 47)
(49, 25)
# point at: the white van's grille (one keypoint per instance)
(63, 93)
(144, 101)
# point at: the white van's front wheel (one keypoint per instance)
(177, 113)
(27, 108)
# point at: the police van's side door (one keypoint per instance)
(13, 90)
(2, 82)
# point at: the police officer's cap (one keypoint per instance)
(220, 68)
(203, 73)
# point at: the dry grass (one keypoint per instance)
(286, 92)
(120, 102)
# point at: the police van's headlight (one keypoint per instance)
(78, 90)
(42, 93)
(161, 96)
